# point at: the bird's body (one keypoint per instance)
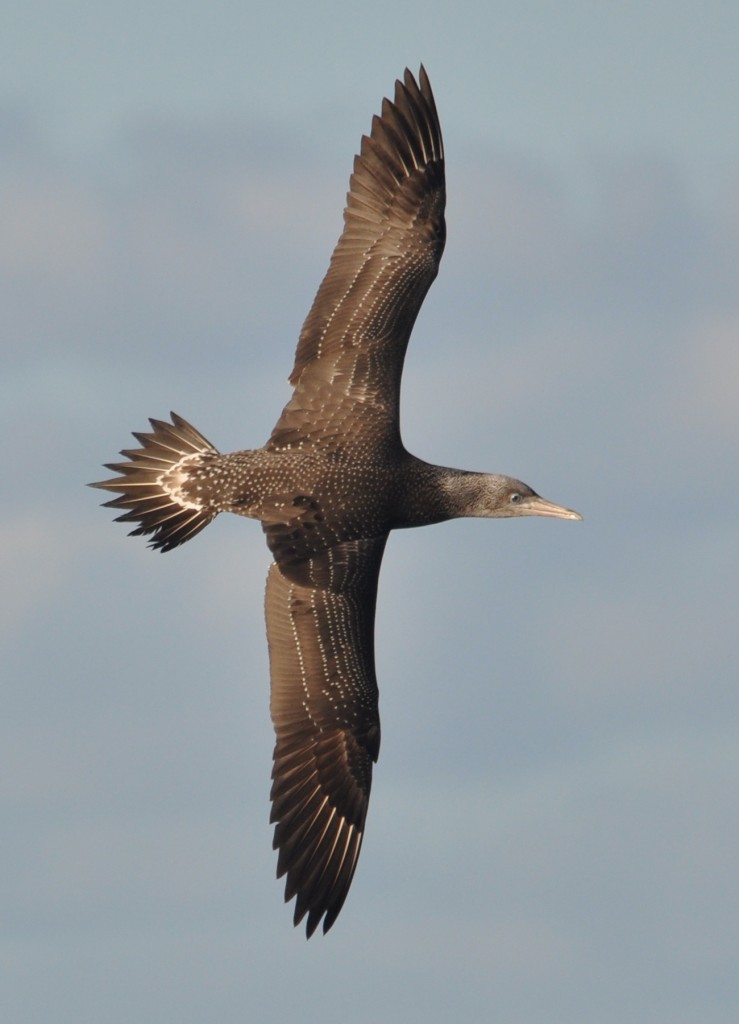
(332, 481)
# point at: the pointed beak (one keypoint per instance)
(536, 506)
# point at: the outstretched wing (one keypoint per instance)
(353, 342)
(320, 624)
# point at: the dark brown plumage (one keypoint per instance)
(329, 485)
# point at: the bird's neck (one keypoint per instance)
(433, 494)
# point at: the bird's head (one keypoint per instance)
(490, 495)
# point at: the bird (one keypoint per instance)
(331, 482)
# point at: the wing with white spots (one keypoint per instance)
(350, 355)
(320, 625)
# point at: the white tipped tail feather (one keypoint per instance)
(150, 485)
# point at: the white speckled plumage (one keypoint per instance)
(333, 479)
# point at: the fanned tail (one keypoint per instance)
(150, 485)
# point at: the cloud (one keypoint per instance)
(702, 389)
(50, 229)
(32, 563)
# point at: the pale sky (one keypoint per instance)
(553, 831)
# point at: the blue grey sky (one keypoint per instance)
(553, 833)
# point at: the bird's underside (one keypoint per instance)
(330, 483)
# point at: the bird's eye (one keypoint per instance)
(516, 497)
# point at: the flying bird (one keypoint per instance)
(328, 486)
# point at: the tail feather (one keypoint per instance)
(149, 484)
